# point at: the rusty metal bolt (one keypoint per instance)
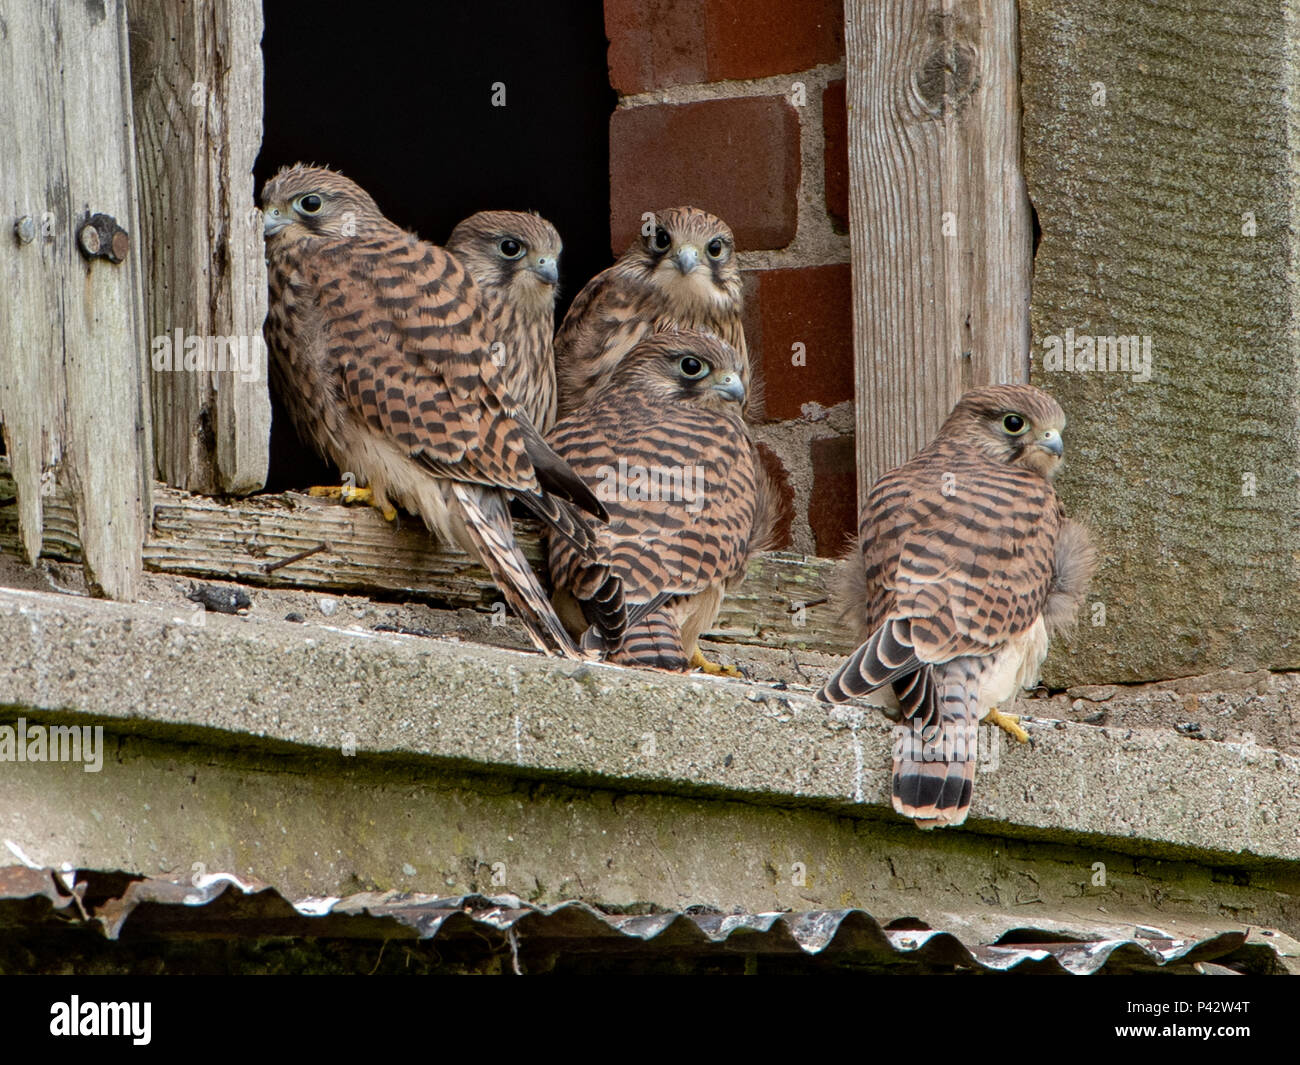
(100, 237)
(25, 229)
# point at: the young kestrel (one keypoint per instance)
(381, 351)
(681, 272)
(666, 449)
(966, 566)
(515, 259)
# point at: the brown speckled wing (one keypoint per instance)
(962, 548)
(958, 557)
(410, 338)
(662, 549)
(614, 312)
(684, 545)
(605, 321)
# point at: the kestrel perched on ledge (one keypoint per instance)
(381, 351)
(665, 447)
(966, 567)
(515, 259)
(682, 272)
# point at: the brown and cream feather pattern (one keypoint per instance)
(669, 415)
(514, 258)
(380, 346)
(682, 272)
(964, 559)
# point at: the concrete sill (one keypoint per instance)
(244, 682)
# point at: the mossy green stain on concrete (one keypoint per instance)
(313, 832)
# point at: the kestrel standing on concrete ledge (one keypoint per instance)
(966, 566)
(681, 272)
(664, 445)
(515, 259)
(381, 352)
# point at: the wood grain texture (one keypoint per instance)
(939, 220)
(1154, 135)
(199, 537)
(197, 81)
(71, 330)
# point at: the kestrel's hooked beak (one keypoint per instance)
(687, 258)
(547, 267)
(1051, 442)
(273, 220)
(731, 386)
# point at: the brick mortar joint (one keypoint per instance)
(791, 440)
(793, 257)
(815, 242)
(737, 89)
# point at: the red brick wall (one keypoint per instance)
(737, 106)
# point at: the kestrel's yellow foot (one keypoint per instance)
(347, 494)
(334, 491)
(698, 661)
(1009, 723)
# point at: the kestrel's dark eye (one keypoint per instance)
(1014, 424)
(714, 248)
(661, 239)
(309, 204)
(511, 248)
(692, 367)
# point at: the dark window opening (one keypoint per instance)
(398, 97)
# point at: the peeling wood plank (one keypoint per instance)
(72, 331)
(194, 536)
(197, 83)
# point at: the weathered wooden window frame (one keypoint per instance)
(940, 221)
(941, 236)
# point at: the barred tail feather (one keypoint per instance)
(934, 768)
(487, 520)
(565, 520)
(606, 614)
(656, 642)
(933, 794)
(886, 656)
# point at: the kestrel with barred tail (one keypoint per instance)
(966, 567)
(381, 351)
(682, 272)
(666, 450)
(515, 259)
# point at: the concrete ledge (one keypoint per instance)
(246, 683)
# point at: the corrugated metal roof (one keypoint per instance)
(129, 908)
